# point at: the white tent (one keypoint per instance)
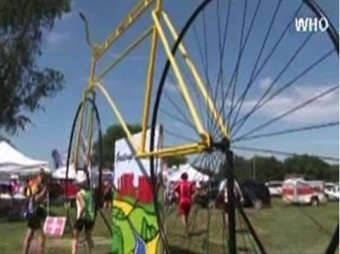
(60, 173)
(14, 162)
(193, 174)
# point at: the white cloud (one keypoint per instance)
(56, 38)
(265, 83)
(171, 87)
(323, 109)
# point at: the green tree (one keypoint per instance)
(23, 84)
(332, 174)
(112, 134)
(7, 140)
(268, 168)
(243, 168)
(310, 167)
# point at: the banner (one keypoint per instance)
(135, 223)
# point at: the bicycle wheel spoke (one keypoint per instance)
(221, 43)
(242, 48)
(288, 131)
(276, 152)
(241, 99)
(177, 135)
(263, 102)
(271, 53)
(291, 111)
(184, 119)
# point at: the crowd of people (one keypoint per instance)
(37, 189)
(35, 213)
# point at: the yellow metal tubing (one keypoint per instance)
(92, 71)
(181, 83)
(192, 148)
(123, 55)
(159, 5)
(118, 115)
(139, 9)
(198, 79)
(149, 84)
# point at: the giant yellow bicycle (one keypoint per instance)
(234, 69)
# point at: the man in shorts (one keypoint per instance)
(34, 213)
(185, 192)
(85, 213)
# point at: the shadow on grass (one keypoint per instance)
(198, 232)
(242, 231)
(245, 250)
(174, 250)
(179, 250)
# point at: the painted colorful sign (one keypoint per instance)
(54, 226)
(135, 226)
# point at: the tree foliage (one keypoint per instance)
(112, 134)
(271, 169)
(23, 84)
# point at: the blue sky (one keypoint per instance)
(65, 49)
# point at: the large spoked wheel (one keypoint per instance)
(267, 81)
(85, 154)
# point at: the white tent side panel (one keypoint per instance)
(193, 174)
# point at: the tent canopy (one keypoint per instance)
(193, 174)
(14, 162)
(60, 173)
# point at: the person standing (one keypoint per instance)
(108, 194)
(223, 191)
(15, 185)
(85, 213)
(185, 192)
(34, 214)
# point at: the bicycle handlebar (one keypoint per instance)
(87, 29)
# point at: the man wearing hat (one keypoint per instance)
(85, 212)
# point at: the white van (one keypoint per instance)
(300, 191)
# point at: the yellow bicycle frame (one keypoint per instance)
(158, 34)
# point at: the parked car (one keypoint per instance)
(332, 191)
(256, 194)
(275, 188)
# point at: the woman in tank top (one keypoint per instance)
(85, 213)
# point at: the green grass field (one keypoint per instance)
(282, 229)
